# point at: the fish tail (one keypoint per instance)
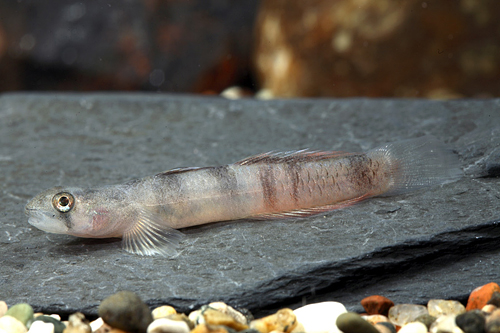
(418, 163)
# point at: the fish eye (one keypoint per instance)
(63, 202)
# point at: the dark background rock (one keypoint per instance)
(441, 242)
(190, 46)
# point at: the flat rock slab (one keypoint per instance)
(436, 243)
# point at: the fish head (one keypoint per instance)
(59, 210)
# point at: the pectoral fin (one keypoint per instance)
(150, 235)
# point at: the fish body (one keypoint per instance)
(146, 212)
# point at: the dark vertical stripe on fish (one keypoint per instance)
(293, 172)
(226, 178)
(268, 182)
(359, 171)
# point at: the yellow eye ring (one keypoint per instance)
(63, 202)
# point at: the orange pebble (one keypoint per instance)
(481, 295)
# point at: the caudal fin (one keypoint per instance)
(418, 163)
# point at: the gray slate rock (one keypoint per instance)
(441, 242)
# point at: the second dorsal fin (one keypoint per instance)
(303, 155)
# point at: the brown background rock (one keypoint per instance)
(414, 48)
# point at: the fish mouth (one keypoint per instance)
(45, 222)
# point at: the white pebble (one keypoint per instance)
(163, 311)
(445, 324)
(12, 325)
(415, 327)
(96, 324)
(438, 307)
(320, 317)
(164, 325)
(197, 317)
(41, 327)
(3, 308)
(402, 314)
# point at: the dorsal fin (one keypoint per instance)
(178, 170)
(303, 155)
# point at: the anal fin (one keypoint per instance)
(150, 235)
(305, 212)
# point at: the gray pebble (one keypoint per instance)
(351, 322)
(495, 299)
(126, 311)
(471, 322)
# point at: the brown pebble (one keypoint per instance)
(214, 317)
(284, 321)
(377, 304)
(204, 328)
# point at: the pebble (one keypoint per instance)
(41, 327)
(495, 299)
(224, 308)
(163, 312)
(58, 325)
(374, 319)
(164, 325)
(493, 322)
(215, 317)
(445, 324)
(78, 324)
(126, 311)
(22, 312)
(426, 319)
(385, 327)
(471, 322)
(197, 317)
(481, 295)
(182, 317)
(488, 308)
(414, 327)
(12, 325)
(204, 328)
(283, 321)
(351, 322)
(438, 307)
(377, 304)
(320, 317)
(96, 324)
(3, 308)
(402, 314)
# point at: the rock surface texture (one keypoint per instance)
(437, 243)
